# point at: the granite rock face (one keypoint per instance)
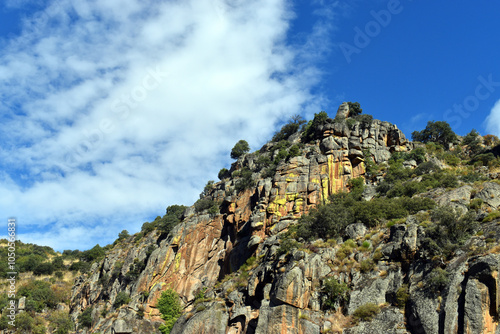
(281, 292)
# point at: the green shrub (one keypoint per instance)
(345, 249)
(149, 227)
(203, 204)
(24, 322)
(476, 204)
(417, 154)
(472, 177)
(263, 161)
(122, 298)
(454, 228)
(350, 122)
(135, 270)
(365, 120)
(366, 312)
(452, 159)
(426, 168)
(484, 159)
(45, 268)
(367, 265)
(207, 189)
(354, 109)
(61, 322)
(333, 292)
(437, 280)
(491, 216)
(85, 318)
(39, 295)
(414, 205)
(223, 173)
(58, 263)
(366, 245)
(286, 245)
(174, 214)
(123, 235)
(39, 329)
(402, 296)
(289, 129)
(311, 127)
(438, 132)
(356, 186)
(329, 220)
(170, 308)
(370, 166)
(82, 267)
(140, 312)
(94, 254)
(473, 142)
(246, 181)
(294, 151)
(239, 149)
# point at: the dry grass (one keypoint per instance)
(494, 250)
(339, 322)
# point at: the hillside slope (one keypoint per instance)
(244, 261)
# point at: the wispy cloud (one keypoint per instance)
(113, 110)
(492, 122)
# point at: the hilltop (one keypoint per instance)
(336, 225)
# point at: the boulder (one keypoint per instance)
(120, 326)
(212, 320)
(490, 194)
(388, 321)
(343, 111)
(355, 231)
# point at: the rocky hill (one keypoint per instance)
(342, 226)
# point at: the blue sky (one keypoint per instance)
(111, 111)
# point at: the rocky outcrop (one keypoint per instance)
(282, 291)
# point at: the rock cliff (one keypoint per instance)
(252, 284)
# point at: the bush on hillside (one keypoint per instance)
(85, 318)
(239, 149)
(310, 128)
(223, 173)
(172, 217)
(354, 109)
(122, 298)
(437, 132)
(289, 129)
(61, 322)
(366, 312)
(329, 220)
(473, 142)
(334, 293)
(246, 180)
(170, 308)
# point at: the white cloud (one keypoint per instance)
(112, 110)
(492, 122)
